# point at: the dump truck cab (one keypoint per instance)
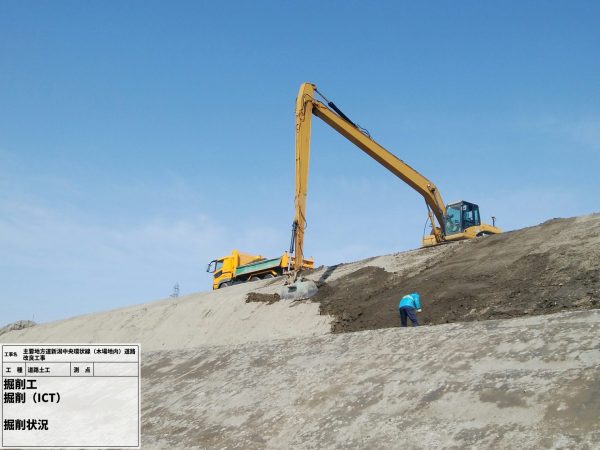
(219, 275)
(216, 268)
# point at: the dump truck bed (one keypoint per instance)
(257, 266)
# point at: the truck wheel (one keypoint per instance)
(224, 285)
(269, 275)
(254, 278)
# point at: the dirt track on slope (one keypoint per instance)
(552, 267)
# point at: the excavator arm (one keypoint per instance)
(306, 106)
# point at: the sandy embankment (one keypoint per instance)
(507, 384)
(209, 318)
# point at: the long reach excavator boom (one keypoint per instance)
(453, 222)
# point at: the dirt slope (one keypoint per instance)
(507, 384)
(551, 267)
(206, 318)
(19, 325)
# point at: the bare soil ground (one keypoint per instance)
(544, 269)
(19, 325)
(524, 383)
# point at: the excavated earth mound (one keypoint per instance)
(544, 269)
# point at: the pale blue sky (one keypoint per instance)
(139, 140)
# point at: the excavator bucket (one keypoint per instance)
(298, 290)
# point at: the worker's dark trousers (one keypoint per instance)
(407, 311)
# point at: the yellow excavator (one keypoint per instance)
(456, 221)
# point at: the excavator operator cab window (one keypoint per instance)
(453, 213)
(460, 216)
(470, 215)
(214, 265)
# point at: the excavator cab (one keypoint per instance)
(460, 216)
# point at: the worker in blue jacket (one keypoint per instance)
(408, 307)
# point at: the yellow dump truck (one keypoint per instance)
(240, 267)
